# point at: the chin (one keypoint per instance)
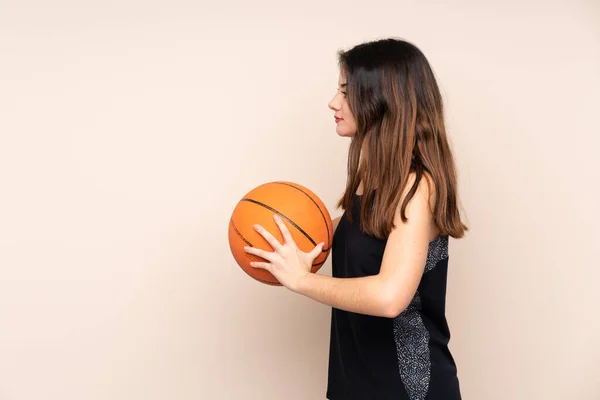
(344, 133)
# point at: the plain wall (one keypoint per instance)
(130, 129)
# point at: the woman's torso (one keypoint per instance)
(406, 357)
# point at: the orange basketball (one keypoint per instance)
(304, 214)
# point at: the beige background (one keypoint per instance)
(130, 130)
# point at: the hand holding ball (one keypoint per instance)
(299, 209)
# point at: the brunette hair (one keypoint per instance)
(396, 102)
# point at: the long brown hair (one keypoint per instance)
(396, 102)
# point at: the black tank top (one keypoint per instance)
(401, 358)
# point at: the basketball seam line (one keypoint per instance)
(240, 234)
(315, 203)
(283, 216)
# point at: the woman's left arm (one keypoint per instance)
(388, 293)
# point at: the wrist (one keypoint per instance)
(302, 283)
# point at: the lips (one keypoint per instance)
(338, 119)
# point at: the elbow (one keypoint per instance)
(392, 304)
(392, 310)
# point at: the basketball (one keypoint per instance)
(303, 213)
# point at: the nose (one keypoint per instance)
(334, 104)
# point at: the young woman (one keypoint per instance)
(389, 333)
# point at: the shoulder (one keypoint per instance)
(423, 196)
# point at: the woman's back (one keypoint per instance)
(405, 357)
